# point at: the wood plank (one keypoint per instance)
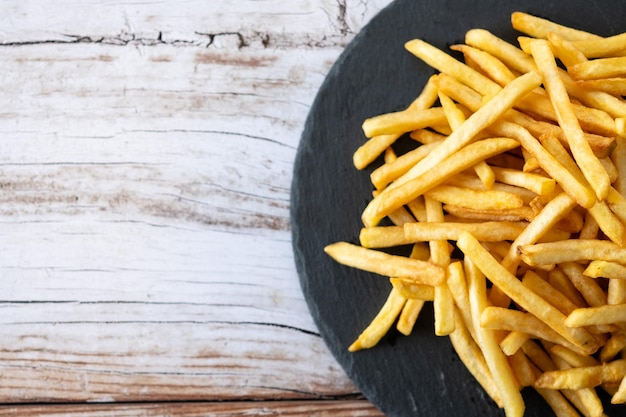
(342, 408)
(146, 152)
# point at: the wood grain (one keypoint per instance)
(146, 152)
(344, 408)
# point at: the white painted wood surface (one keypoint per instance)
(146, 151)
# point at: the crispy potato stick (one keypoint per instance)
(497, 363)
(413, 291)
(546, 291)
(536, 183)
(444, 63)
(408, 316)
(562, 283)
(572, 358)
(425, 136)
(393, 198)
(604, 269)
(381, 324)
(473, 359)
(488, 64)
(509, 54)
(443, 305)
(513, 342)
(620, 395)
(385, 264)
(479, 200)
(389, 172)
(565, 50)
(527, 299)
(583, 377)
(616, 292)
(403, 121)
(383, 237)
(571, 250)
(605, 314)
(485, 231)
(588, 162)
(498, 318)
(555, 210)
(589, 288)
(614, 86)
(372, 149)
(604, 47)
(598, 68)
(540, 28)
(613, 347)
(619, 159)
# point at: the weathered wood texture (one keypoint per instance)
(146, 151)
(344, 408)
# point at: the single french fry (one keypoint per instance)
(498, 318)
(538, 27)
(488, 64)
(499, 367)
(588, 162)
(536, 183)
(620, 396)
(473, 359)
(413, 291)
(509, 54)
(616, 292)
(389, 172)
(588, 287)
(583, 377)
(372, 149)
(484, 231)
(475, 199)
(385, 264)
(599, 68)
(400, 122)
(426, 136)
(613, 86)
(383, 237)
(545, 290)
(573, 358)
(605, 314)
(408, 315)
(604, 47)
(613, 347)
(605, 269)
(513, 342)
(572, 250)
(381, 324)
(555, 210)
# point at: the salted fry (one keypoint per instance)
(605, 314)
(572, 250)
(476, 199)
(583, 377)
(381, 323)
(484, 231)
(599, 68)
(372, 149)
(589, 164)
(385, 264)
(605, 269)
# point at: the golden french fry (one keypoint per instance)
(546, 291)
(583, 377)
(385, 264)
(403, 121)
(408, 315)
(476, 199)
(614, 86)
(603, 47)
(538, 27)
(372, 149)
(389, 172)
(588, 162)
(565, 50)
(599, 68)
(413, 291)
(571, 250)
(513, 342)
(605, 269)
(620, 396)
(488, 64)
(588, 287)
(498, 318)
(381, 324)
(496, 360)
(473, 359)
(605, 314)
(537, 183)
(485, 231)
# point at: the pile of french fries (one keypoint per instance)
(520, 163)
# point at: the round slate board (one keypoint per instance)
(418, 375)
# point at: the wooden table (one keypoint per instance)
(146, 155)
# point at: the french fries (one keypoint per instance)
(520, 160)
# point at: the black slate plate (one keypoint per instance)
(418, 375)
